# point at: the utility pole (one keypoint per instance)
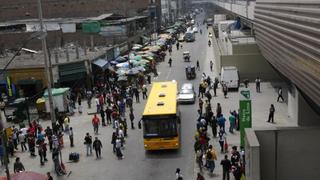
(4, 145)
(46, 64)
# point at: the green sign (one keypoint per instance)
(91, 27)
(244, 113)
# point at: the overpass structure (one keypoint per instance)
(288, 35)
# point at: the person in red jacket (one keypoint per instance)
(95, 124)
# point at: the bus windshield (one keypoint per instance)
(160, 127)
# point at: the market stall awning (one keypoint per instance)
(103, 64)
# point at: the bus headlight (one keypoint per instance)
(145, 145)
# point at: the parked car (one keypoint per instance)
(230, 76)
(186, 93)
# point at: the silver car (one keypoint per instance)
(186, 93)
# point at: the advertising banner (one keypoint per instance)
(245, 113)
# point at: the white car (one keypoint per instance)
(186, 94)
(195, 29)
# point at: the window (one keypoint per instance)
(165, 127)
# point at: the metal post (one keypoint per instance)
(47, 69)
(4, 145)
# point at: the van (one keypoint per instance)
(230, 76)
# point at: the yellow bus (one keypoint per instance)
(161, 117)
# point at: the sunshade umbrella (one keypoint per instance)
(121, 71)
(123, 65)
(27, 175)
(120, 59)
(122, 78)
(113, 62)
(132, 71)
(139, 68)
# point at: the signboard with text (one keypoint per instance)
(245, 113)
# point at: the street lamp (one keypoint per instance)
(42, 36)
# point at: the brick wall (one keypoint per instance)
(26, 9)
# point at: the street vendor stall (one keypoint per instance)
(60, 99)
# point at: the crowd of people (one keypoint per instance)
(204, 147)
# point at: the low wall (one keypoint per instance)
(289, 153)
(250, 66)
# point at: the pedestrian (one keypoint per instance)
(144, 92)
(118, 149)
(211, 156)
(200, 177)
(113, 141)
(48, 134)
(177, 45)
(199, 155)
(211, 65)
(18, 166)
(97, 145)
(96, 100)
(215, 86)
(66, 122)
(226, 167)
(280, 95)
(41, 152)
(214, 126)
(170, 62)
(22, 140)
(31, 144)
(49, 177)
(178, 174)
(136, 93)
(271, 113)
(88, 143)
(225, 90)
(208, 96)
(198, 65)
(258, 84)
(237, 171)
(71, 137)
(235, 156)
(219, 110)
(95, 124)
(222, 137)
(221, 122)
(102, 117)
(108, 114)
(232, 122)
(200, 106)
(131, 116)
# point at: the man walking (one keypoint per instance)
(211, 65)
(271, 113)
(226, 166)
(198, 65)
(95, 124)
(97, 145)
(144, 92)
(232, 121)
(170, 62)
(71, 137)
(136, 93)
(108, 114)
(280, 95)
(22, 140)
(88, 143)
(102, 117)
(215, 86)
(131, 116)
(258, 84)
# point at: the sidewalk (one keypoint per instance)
(260, 109)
